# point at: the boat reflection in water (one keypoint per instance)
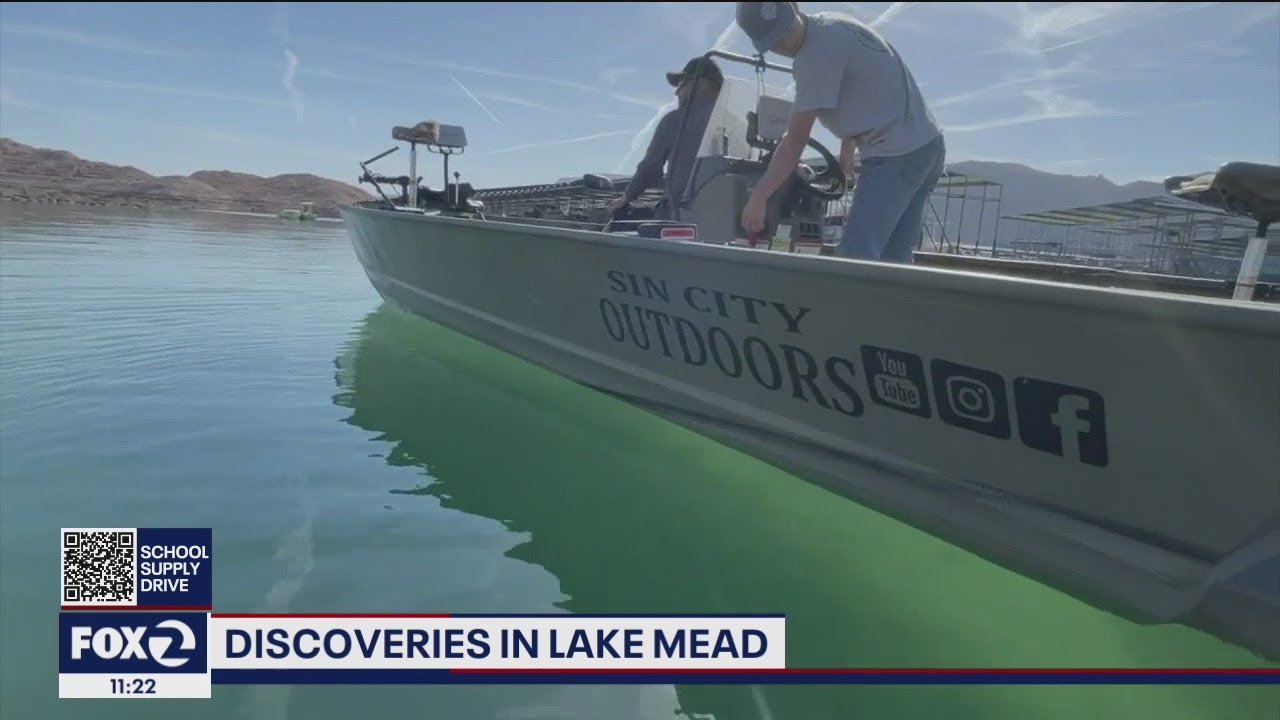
(632, 514)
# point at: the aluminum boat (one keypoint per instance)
(1116, 442)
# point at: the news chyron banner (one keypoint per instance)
(136, 622)
(135, 611)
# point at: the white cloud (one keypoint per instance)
(1050, 105)
(692, 21)
(94, 41)
(514, 100)
(382, 56)
(1257, 14)
(145, 87)
(10, 100)
(1048, 27)
(219, 136)
(613, 74)
(1041, 78)
(280, 22)
(890, 13)
(290, 72)
(550, 143)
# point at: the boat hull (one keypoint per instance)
(1120, 446)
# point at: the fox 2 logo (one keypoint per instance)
(137, 643)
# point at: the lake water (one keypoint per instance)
(240, 373)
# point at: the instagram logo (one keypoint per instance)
(971, 398)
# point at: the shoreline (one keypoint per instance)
(251, 209)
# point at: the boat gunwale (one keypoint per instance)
(1251, 316)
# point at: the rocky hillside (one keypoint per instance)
(55, 176)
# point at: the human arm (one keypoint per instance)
(649, 170)
(819, 73)
(846, 156)
(785, 158)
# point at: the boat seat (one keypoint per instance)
(432, 133)
(1250, 189)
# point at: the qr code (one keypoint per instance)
(99, 567)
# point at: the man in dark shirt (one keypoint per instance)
(665, 148)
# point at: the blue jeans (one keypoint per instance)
(886, 216)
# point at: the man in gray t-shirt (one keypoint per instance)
(696, 87)
(857, 85)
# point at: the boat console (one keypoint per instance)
(737, 145)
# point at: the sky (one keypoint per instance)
(546, 90)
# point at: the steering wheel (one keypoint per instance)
(830, 184)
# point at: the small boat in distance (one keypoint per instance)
(308, 212)
(1113, 441)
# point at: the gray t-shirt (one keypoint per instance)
(861, 88)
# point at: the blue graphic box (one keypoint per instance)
(175, 568)
(139, 643)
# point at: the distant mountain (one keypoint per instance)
(45, 175)
(1022, 190)
(1027, 189)
(55, 176)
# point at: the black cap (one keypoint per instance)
(701, 66)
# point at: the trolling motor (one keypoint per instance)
(379, 180)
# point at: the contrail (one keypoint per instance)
(473, 97)
(890, 13)
(291, 71)
(722, 42)
(568, 141)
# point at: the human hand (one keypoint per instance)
(620, 203)
(753, 216)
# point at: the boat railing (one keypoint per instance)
(584, 203)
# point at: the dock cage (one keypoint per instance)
(1164, 235)
(574, 201)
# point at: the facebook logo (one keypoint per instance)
(1062, 420)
